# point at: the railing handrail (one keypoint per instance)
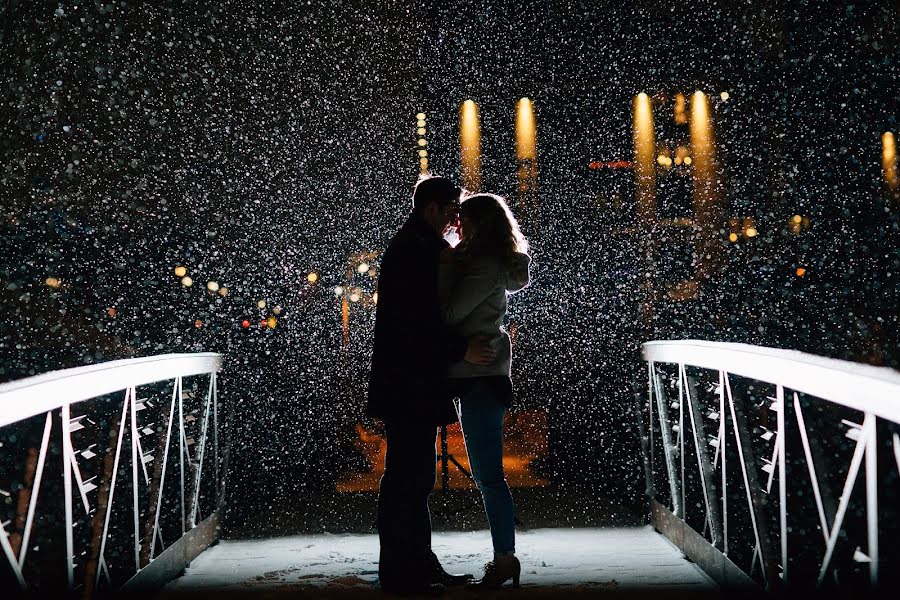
(32, 396)
(862, 387)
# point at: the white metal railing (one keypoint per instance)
(785, 381)
(143, 415)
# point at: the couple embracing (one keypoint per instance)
(439, 336)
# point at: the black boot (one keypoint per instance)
(497, 572)
(439, 575)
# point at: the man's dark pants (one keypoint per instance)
(404, 521)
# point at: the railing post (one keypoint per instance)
(872, 497)
(668, 444)
(706, 475)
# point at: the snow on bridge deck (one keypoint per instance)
(553, 560)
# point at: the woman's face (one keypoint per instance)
(465, 224)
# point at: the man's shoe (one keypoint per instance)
(439, 575)
(497, 572)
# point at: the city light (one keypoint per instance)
(644, 156)
(707, 191)
(889, 160)
(187, 281)
(680, 115)
(526, 133)
(180, 271)
(470, 146)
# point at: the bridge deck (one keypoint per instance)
(575, 560)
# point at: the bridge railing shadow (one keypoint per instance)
(112, 474)
(773, 468)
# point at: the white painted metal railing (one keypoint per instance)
(142, 414)
(789, 384)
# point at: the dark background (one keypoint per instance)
(254, 142)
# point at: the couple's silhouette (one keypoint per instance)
(439, 336)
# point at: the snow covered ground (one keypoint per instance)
(553, 560)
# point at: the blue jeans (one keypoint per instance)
(481, 417)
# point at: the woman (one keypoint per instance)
(474, 280)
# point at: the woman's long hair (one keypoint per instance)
(494, 230)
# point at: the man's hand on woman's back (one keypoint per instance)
(479, 351)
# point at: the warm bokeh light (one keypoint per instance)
(707, 191)
(52, 282)
(187, 281)
(375, 298)
(526, 131)
(354, 297)
(680, 112)
(470, 146)
(732, 237)
(223, 291)
(750, 232)
(277, 310)
(198, 323)
(889, 160)
(261, 304)
(362, 268)
(212, 286)
(111, 311)
(645, 156)
(423, 153)
(338, 290)
(420, 131)
(180, 271)
(797, 219)
(688, 160)
(724, 96)
(423, 142)
(800, 272)
(245, 324)
(423, 165)
(271, 322)
(312, 277)
(420, 116)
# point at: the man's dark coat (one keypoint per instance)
(412, 347)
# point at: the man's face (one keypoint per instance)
(442, 216)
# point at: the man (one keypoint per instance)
(408, 388)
